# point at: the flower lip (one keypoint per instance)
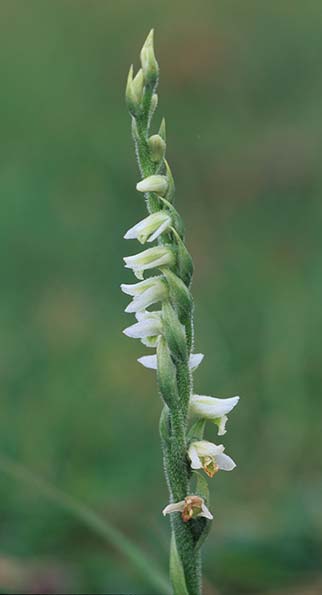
(210, 457)
(191, 507)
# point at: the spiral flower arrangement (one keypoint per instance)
(163, 306)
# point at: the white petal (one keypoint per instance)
(225, 462)
(131, 234)
(212, 407)
(144, 315)
(195, 360)
(160, 230)
(204, 448)
(144, 328)
(148, 361)
(205, 512)
(153, 225)
(134, 289)
(176, 507)
(193, 456)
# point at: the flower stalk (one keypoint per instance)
(168, 328)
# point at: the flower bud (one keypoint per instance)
(134, 92)
(156, 183)
(154, 104)
(157, 147)
(150, 66)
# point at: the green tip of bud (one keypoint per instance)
(150, 66)
(162, 130)
(157, 147)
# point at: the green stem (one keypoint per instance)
(185, 560)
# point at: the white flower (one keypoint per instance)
(213, 409)
(149, 259)
(190, 508)
(148, 328)
(150, 361)
(149, 228)
(210, 457)
(145, 293)
(155, 183)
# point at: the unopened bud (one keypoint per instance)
(150, 66)
(157, 147)
(155, 183)
(154, 104)
(134, 92)
(138, 85)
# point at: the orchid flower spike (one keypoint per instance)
(209, 457)
(190, 508)
(149, 259)
(150, 228)
(213, 409)
(148, 328)
(150, 361)
(146, 293)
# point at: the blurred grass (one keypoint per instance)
(241, 90)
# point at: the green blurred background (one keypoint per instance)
(241, 86)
